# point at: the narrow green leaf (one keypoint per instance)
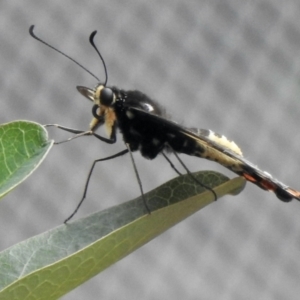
(49, 265)
(23, 146)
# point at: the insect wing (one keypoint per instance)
(265, 180)
(183, 140)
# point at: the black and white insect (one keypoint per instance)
(145, 128)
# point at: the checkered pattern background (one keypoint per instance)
(231, 66)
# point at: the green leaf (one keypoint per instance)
(23, 146)
(49, 265)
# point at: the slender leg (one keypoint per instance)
(138, 178)
(72, 130)
(89, 177)
(171, 164)
(79, 133)
(193, 177)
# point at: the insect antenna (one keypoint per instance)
(91, 39)
(67, 56)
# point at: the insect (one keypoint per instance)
(145, 128)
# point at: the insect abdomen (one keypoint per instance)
(218, 138)
(209, 145)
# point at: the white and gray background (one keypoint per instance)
(231, 66)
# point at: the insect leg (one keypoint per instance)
(79, 133)
(195, 179)
(138, 178)
(64, 128)
(88, 180)
(171, 164)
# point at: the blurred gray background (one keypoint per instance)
(231, 66)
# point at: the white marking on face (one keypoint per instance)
(98, 90)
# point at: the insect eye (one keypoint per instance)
(106, 96)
